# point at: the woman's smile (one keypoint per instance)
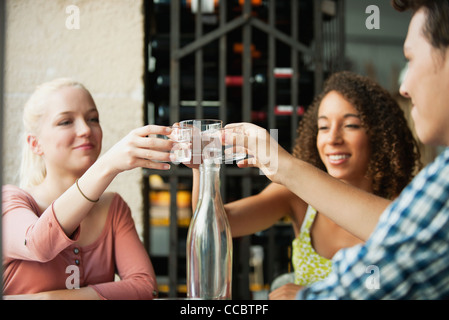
(85, 146)
(338, 158)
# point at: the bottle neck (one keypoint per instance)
(210, 179)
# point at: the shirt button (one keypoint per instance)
(76, 250)
(77, 262)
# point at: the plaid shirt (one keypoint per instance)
(407, 255)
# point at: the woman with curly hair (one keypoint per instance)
(394, 154)
(356, 132)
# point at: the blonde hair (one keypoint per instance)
(32, 167)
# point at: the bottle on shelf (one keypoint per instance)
(209, 82)
(160, 46)
(207, 4)
(187, 110)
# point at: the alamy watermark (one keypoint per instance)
(372, 282)
(73, 21)
(373, 20)
(73, 280)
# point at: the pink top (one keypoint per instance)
(38, 256)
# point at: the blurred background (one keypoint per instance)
(145, 61)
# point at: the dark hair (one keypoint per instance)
(395, 157)
(436, 29)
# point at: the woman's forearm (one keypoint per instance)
(72, 207)
(138, 149)
(195, 188)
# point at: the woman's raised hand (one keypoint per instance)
(141, 148)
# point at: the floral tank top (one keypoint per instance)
(309, 266)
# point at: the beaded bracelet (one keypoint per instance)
(84, 194)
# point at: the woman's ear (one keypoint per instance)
(34, 144)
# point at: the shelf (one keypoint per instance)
(164, 287)
(165, 222)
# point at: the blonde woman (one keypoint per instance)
(60, 229)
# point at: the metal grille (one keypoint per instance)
(308, 64)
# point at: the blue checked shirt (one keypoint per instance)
(407, 255)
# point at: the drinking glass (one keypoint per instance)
(181, 151)
(202, 124)
(205, 140)
(234, 138)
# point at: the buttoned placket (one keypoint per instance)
(76, 251)
(77, 260)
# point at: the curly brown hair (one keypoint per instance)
(395, 156)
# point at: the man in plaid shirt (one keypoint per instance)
(409, 248)
(407, 254)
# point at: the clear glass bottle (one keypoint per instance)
(209, 241)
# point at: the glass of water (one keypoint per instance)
(233, 140)
(205, 138)
(181, 151)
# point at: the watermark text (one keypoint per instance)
(73, 20)
(373, 20)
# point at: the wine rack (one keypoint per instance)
(259, 61)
